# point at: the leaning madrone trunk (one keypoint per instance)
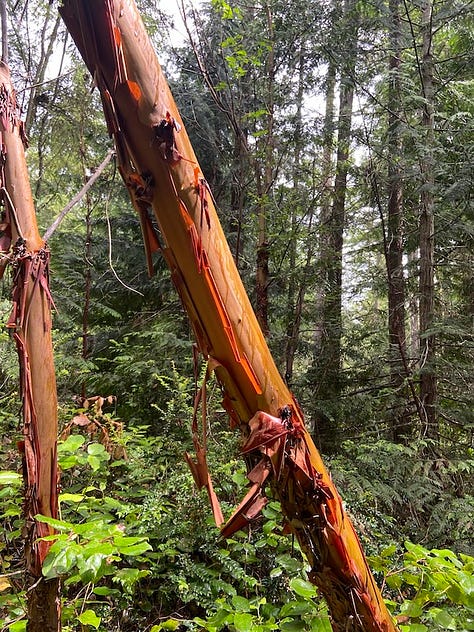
(163, 177)
(30, 326)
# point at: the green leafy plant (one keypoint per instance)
(433, 590)
(12, 596)
(90, 551)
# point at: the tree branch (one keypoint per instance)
(79, 195)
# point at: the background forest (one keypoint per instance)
(337, 137)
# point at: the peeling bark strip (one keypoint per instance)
(30, 325)
(153, 147)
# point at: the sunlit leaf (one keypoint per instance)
(72, 444)
(303, 588)
(71, 498)
(17, 626)
(243, 622)
(10, 478)
(89, 617)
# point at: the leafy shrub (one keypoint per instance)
(432, 590)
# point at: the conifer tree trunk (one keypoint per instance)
(396, 281)
(30, 326)
(162, 175)
(264, 177)
(237, 197)
(428, 378)
(329, 362)
(295, 290)
(327, 181)
(327, 186)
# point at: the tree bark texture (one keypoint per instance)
(396, 281)
(161, 172)
(329, 362)
(30, 326)
(298, 276)
(428, 378)
(327, 182)
(264, 175)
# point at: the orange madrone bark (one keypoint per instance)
(164, 179)
(30, 326)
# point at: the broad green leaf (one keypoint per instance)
(55, 536)
(67, 462)
(129, 576)
(467, 583)
(296, 608)
(289, 563)
(444, 619)
(93, 547)
(243, 622)
(71, 498)
(222, 616)
(135, 549)
(14, 511)
(321, 624)
(89, 617)
(98, 529)
(388, 551)
(201, 622)
(91, 568)
(18, 626)
(125, 540)
(241, 604)
(94, 462)
(411, 609)
(8, 477)
(448, 554)
(455, 593)
(394, 581)
(416, 551)
(96, 449)
(105, 591)
(269, 526)
(61, 563)
(303, 588)
(439, 581)
(59, 525)
(169, 624)
(112, 503)
(72, 444)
